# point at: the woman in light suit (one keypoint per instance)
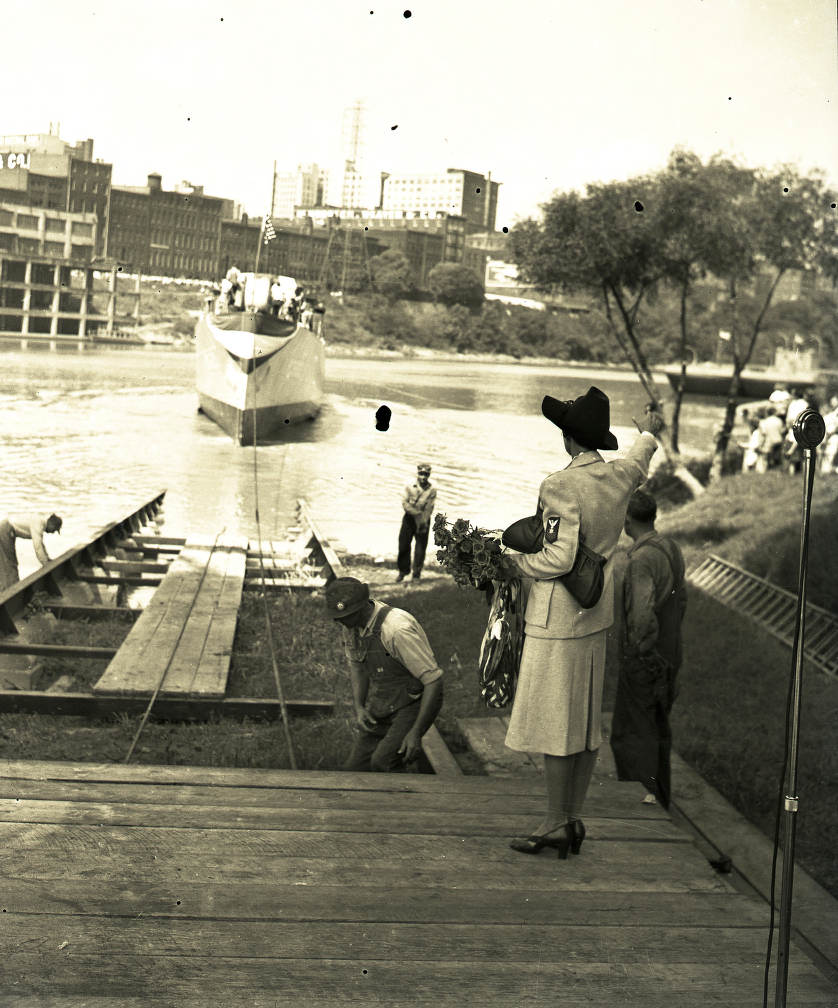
(559, 692)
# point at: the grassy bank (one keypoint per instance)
(728, 722)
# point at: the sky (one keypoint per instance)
(547, 95)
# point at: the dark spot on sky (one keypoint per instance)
(395, 127)
(382, 418)
(638, 206)
(407, 14)
(729, 98)
(505, 230)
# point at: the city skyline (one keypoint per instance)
(550, 100)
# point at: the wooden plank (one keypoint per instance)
(438, 753)
(133, 566)
(332, 939)
(289, 827)
(412, 982)
(187, 655)
(485, 736)
(201, 663)
(105, 705)
(266, 899)
(324, 546)
(146, 652)
(57, 650)
(518, 806)
(62, 610)
(463, 785)
(131, 854)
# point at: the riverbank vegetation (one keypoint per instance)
(622, 244)
(728, 722)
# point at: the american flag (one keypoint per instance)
(270, 234)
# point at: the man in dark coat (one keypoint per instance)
(654, 599)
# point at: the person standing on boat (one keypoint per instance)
(15, 527)
(418, 502)
(653, 603)
(396, 681)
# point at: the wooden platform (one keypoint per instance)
(187, 886)
(185, 634)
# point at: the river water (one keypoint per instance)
(90, 434)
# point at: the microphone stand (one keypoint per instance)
(808, 430)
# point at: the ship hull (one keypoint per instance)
(254, 383)
(710, 381)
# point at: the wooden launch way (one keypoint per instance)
(203, 887)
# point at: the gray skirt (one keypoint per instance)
(558, 700)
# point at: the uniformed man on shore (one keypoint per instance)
(418, 502)
(654, 600)
(396, 681)
(14, 527)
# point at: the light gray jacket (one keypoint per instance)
(591, 496)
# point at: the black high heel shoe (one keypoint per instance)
(577, 830)
(535, 844)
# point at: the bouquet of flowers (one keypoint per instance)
(471, 555)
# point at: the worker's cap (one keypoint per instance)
(424, 468)
(346, 595)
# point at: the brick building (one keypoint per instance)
(166, 232)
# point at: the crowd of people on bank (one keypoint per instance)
(772, 445)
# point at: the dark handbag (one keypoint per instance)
(585, 580)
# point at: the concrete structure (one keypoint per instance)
(41, 232)
(465, 194)
(42, 170)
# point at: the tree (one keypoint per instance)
(455, 284)
(391, 274)
(605, 244)
(698, 235)
(787, 222)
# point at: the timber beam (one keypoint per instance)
(103, 705)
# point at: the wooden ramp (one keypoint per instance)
(184, 636)
(188, 886)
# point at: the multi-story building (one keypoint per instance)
(166, 232)
(304, 187)
(464, 194)
(42, 170)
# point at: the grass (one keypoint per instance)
(728, 721)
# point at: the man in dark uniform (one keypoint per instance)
(418, 503)
(396, 682)
(654, 600)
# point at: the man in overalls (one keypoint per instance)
(654, 600)
(396, 682)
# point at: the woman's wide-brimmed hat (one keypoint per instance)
(586, 419)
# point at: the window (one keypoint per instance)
(28, 221)
(54, 248)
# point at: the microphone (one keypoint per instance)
(809, 429)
